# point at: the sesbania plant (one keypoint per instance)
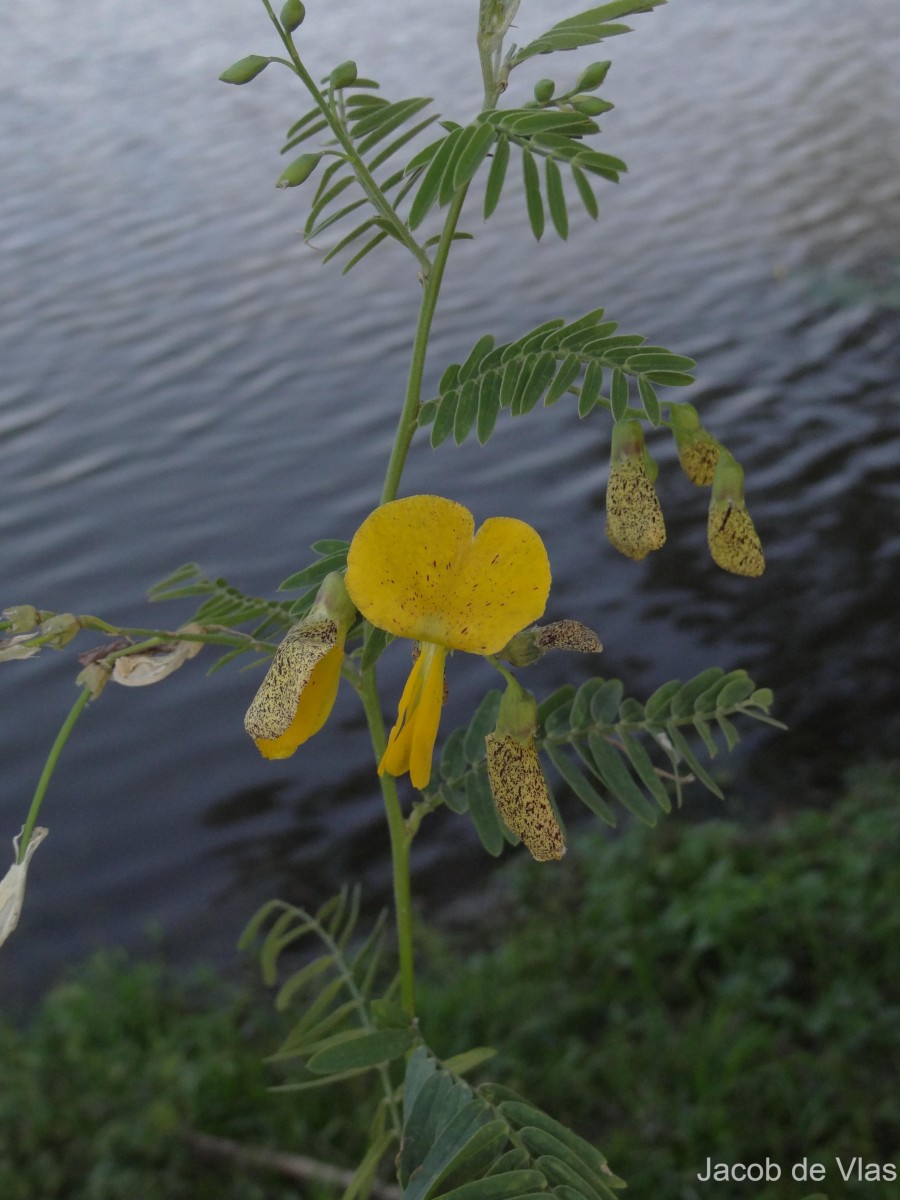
(418, 569)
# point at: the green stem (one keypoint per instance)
(401, 834)
(366, 180)
(409, 416)
(400, 845)
(49, 767)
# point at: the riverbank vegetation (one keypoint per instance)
(725, 992)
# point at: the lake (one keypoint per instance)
(184, 381)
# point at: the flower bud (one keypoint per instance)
(543, 90)
(533, 643)
(296, 697)
(591, 77)
(516, 779)
(245, 69)
(21, 618)
(292, 14)
(732, 537)
(590, 106)
(95, 676)
(58, 631)
(634, 519)
(343, 75)
(298, 171)
(698, 450)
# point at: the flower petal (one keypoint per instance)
(313, 708)
(415, 570)
(275, 705)
(733, 540)
(12, 885)
(411, 743)
(501, 585)
(400, 560)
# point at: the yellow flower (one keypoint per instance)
(634, 519)
(417, 568)
(297, 695)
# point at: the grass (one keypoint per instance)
(675, 994)
(703, 991)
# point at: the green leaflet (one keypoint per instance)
(358, 1048)
(616, 739)
(545, 364)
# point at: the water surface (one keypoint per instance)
(183, 381)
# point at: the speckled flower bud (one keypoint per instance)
(634, 519)
(733, 540)
(698, 450)
(533, 643)
(295, 699)
(516, 779)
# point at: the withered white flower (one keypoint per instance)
(12, 885)
(152, 666)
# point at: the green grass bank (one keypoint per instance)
(691, 992)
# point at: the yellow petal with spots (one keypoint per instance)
(401, 560)
(415, 569)
(733, 540)
(634, 519)
(501, 585)
(297, 694)
(520, 793)
(411, 743)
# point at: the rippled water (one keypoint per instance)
(180, 382)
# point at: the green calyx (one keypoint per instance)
(333, 602)
(517, 717)
(698, 450)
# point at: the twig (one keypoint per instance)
(297, 1166)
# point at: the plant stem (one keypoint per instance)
(400, 845)
(401, 836)
(366, 181)
(409, 415)
(49, 766)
